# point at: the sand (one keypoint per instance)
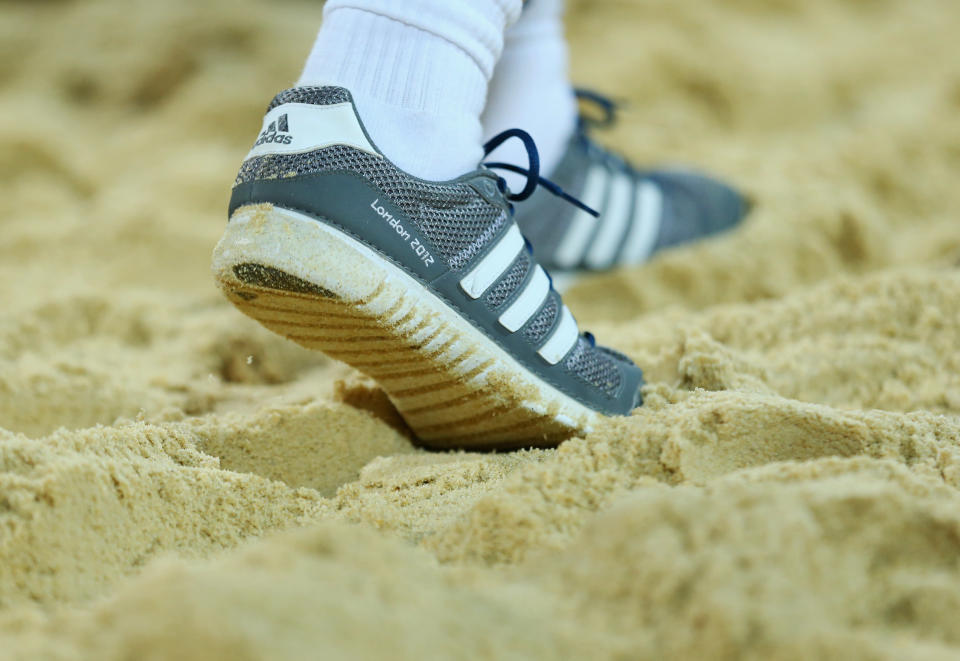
(176, 482)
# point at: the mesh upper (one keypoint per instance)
(542, 322)
(453, 216)
(595, 367)
(509, 282)
(318, 96)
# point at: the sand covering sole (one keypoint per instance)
(319, 287)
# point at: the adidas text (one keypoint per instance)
(283, 139)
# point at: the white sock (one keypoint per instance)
(418, 71)
(531, 89)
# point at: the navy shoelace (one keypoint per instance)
(608, 108)
(532, 172)
(606, 105)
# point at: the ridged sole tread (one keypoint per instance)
(429, 370)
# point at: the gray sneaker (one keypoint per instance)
(428, 287)
(641, 211)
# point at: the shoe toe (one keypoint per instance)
(697, 206)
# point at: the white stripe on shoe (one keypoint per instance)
(492, 266)
(562, 339)
(529, 301)
(613, 222)
(574, 242)
(646, 224)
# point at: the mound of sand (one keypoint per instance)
(176, 482)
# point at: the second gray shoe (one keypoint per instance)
(640, 211)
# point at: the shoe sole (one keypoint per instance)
(323, 289)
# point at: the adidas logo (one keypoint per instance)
(277, 132)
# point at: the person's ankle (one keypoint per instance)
(428, 146)
(420, 95)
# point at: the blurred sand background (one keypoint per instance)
(175, 482)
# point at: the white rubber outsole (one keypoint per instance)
(323, 289)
